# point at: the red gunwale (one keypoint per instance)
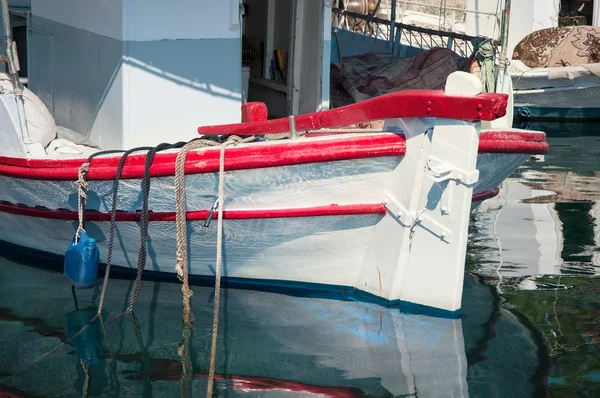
(207, 160)
(525, 142)
(409, 103)
(259, 156)
(317, 211)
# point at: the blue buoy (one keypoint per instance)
(83, 333)
(81, 262)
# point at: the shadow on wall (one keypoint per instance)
(158, 90)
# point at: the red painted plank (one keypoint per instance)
(410, 103)
(318, 211)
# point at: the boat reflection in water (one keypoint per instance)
(546, 220)
(269, 344)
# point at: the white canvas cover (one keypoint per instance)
(40, 123)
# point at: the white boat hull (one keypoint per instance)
(350, 254)
(556, 93)
(380, 216)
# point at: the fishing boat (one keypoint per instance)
(555, 74)
(308, 204)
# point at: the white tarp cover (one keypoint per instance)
(40, 123)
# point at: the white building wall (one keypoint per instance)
(135, 72)
(179, 19)
(526, 17)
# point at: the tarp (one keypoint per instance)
(40, 123)
(366, 76)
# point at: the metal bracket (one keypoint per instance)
(399, 211)
(435, 227)
(408, 220)
(211, 213)
(443, 171)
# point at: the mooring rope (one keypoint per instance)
(113, 214)
(182, 255)
(82, 184)
(218, 271)
(180, 221)
(144, 356)
(141, 263)
(86, 382)
(81, 197)
(113, 363)
(181, 236)
(182, 262)
(186, 360)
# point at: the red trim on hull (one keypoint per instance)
(245, 157)
(207, 160)
(318, 211)
(201, 215)
(527, 143)
(481, 196)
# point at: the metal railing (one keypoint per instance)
(361, 23)
(409, 35)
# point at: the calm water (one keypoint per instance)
(530, 323)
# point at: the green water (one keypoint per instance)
(530, 323)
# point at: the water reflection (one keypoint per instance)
(539, 244)
(546, 221)
(270, 345)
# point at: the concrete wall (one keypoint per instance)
(132, 72)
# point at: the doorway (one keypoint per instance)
(578, 12)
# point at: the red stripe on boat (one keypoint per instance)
(207, 160)
(318, 211)
(525, 142)
(491, 193)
